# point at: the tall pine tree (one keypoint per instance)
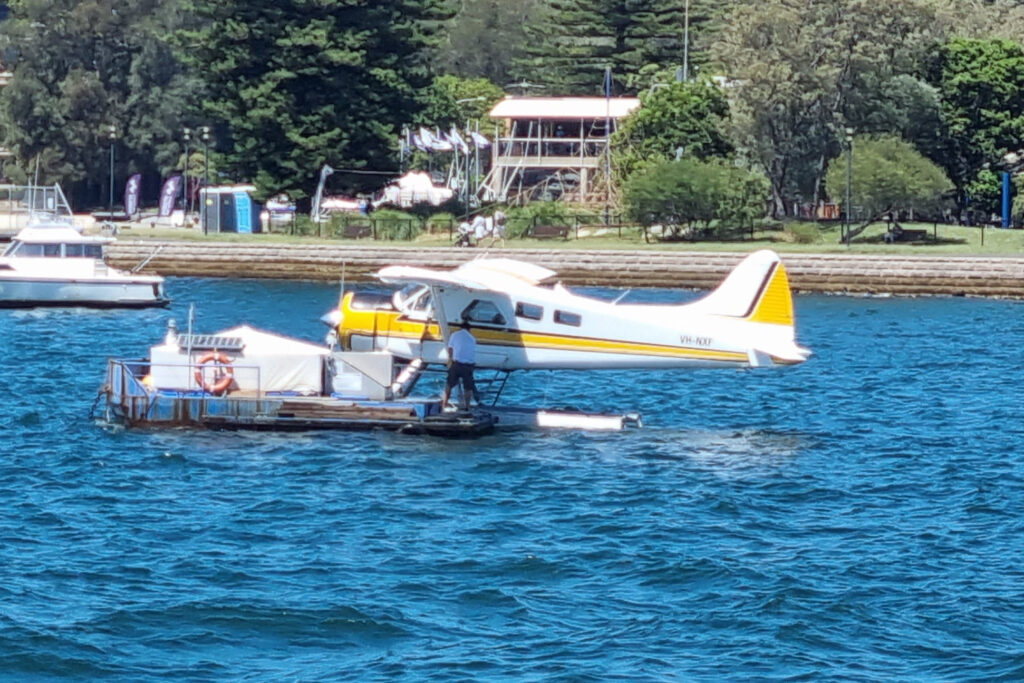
(295, 84)
(572, 41)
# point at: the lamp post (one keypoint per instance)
(112, 133)
(188, 138)
(205, 136)
(849, 174)
(686, 41)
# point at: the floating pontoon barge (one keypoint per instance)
(245, 378)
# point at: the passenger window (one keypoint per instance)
(30, 250)
(73, 250)
(564, 318)
(93, 251)
(529, 311)
(51, 250)
(484, 312)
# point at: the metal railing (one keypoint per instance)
(127, 388)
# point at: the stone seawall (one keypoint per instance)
(849, 273)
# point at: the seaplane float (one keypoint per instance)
(521, 316)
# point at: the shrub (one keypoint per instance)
(392, 224)
(803, 233)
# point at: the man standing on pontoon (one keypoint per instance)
(461, 363)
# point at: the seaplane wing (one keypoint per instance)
(410, 275)
(523, 318)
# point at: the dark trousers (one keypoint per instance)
(462, 372)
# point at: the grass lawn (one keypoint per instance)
(803, 238)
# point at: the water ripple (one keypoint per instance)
(857, 517)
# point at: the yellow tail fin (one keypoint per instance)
(774, 303)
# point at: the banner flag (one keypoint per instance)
(319, 195)
(458, 141)
(479, 140)
(169, 195)
(441, 144)
(426, 138)
(131, 194)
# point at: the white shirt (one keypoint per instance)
(480, 227)
(462, 347)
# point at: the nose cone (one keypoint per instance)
(332, 318)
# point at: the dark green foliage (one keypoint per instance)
(690, 191)
(572, 41)
(453, 101)
(684, 118)
(300, 83)
(982, 98)
(485, 38)
(83, 65)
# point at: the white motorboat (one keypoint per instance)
(52, 264)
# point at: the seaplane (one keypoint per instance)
(524, 318)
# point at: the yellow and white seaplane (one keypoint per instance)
(523, 318)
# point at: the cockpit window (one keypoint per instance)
(422, 303)
(484, 312)
(408, 297)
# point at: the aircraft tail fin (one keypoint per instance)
(757, 290)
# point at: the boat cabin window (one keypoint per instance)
(29, 250)
(565, 318)
(529, 311)
(485, 312)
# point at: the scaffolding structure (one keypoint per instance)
(554, 148)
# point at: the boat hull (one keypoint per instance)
(128, 293)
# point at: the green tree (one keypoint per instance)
(982, 100)
(82, 66)
(888, 174)
(800, 72)
(485, 38)
(689, 192)
(452, 101)
(676, 119)
(296, 84)
(572, 41)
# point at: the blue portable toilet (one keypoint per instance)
(229, 208)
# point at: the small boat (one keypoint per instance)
(49, 263)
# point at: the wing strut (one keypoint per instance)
(439, 313)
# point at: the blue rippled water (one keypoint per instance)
(855, 518)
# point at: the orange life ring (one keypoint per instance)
(224, 365)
